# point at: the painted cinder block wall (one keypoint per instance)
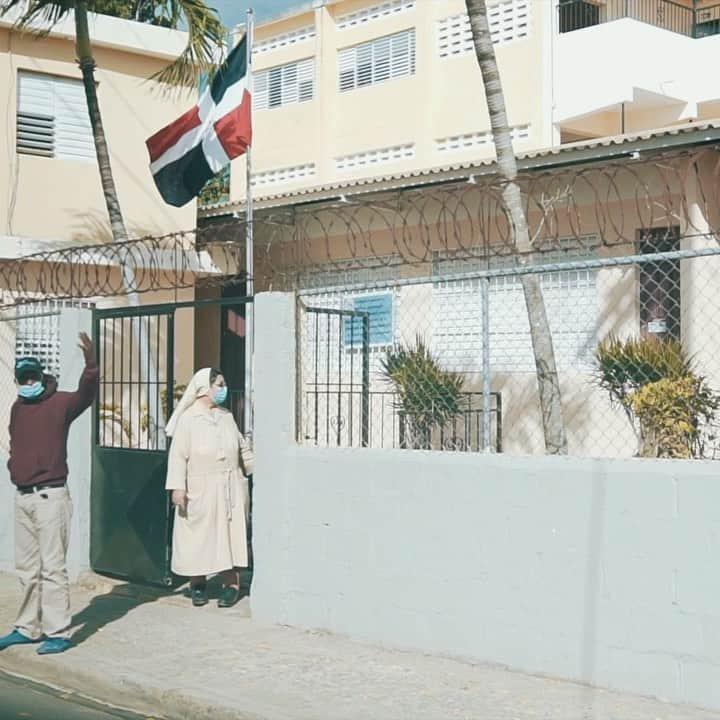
(602, 571)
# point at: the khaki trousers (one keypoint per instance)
(42, 530)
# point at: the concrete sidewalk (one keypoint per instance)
(177, 661)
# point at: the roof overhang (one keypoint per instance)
(580, 153)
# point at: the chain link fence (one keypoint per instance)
(446, 362)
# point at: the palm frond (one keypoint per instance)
(36, 16)
(206, 39)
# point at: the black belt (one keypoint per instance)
(28, 489)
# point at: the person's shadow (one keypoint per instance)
(102, 610)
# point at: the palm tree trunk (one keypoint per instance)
(147, 369)
(86, 61)
(546, 370)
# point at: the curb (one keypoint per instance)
(153, 702)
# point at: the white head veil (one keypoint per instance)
(197, 387)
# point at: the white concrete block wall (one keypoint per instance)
(604, 571)
(72, 322)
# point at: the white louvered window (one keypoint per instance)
(52, 118)
(373, 62)
(278, 41)
(519, 134)
(37, 332)
(508, 19)
(375, 157)
(374, 12)
(571, 302)
(283, 175)
(284, 84)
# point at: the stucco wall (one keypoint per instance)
(62, 199)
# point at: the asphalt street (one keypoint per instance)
(21, 699)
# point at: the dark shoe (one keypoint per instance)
(52, 646)
(229, 595)
(199, 596)
(15, 638)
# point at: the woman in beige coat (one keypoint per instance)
(208, 465)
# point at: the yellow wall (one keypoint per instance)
(62, 199)
(444, 97)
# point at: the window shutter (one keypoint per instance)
(376, 61)
(52, 118)
(306, 79)
(284, 84)
(73, 138)
(403, 54)
(346, 66)
(260, 90)
(275, 87)
(379, 310)
(35, 117)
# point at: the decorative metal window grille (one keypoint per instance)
(284, 84)
(289, 38)
(37, 332)
(283, 175)
(519, 134)
(375, 12)
(375, 157)
(52, 118)
(373, 62)
(508, 19)
(571, 302)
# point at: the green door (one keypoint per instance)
(130, 522)
(130, 510)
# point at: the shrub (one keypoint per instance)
(665, 399)
(428, 396)
(671, 412)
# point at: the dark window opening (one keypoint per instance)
(660, 284)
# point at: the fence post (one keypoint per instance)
(485, 292)
(365, 430)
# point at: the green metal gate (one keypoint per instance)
(131, 515)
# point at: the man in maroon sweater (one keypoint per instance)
(39, 423)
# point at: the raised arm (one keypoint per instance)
(82, 398)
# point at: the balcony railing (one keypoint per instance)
(333, 418)
(693, 22)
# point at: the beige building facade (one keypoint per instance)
(50, 183)
(375, 190)
(346, 90)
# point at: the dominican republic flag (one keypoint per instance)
(188, 152)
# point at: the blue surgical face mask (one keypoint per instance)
(220, 395)
(29, 392)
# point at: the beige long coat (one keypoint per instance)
(210, 459)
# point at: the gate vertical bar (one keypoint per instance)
(365, 430)
(169, 407)
(485, 292)
(249, 254)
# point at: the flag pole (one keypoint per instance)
(249, 250)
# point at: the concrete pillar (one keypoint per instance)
(8, 393)
(275, 411)
(72, 322)
(699, 280)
